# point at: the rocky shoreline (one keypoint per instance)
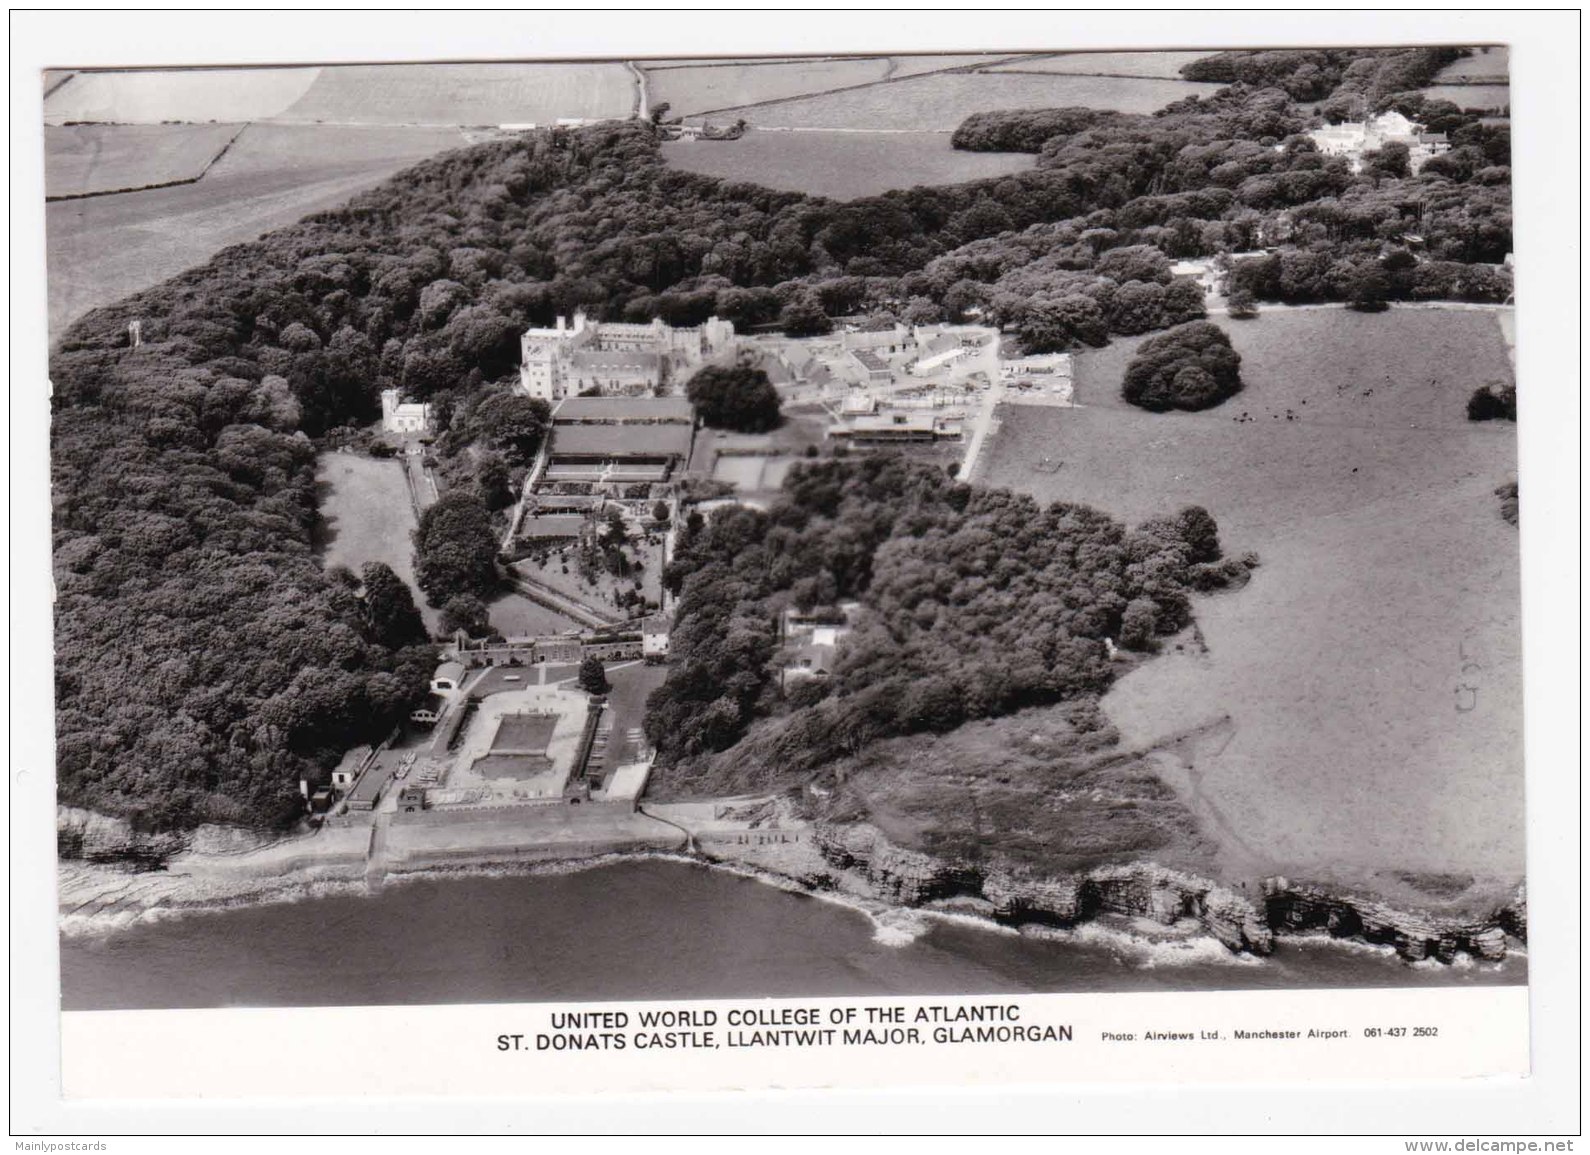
(859, 858)
(110, 874)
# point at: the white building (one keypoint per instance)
(1354, 138)
(398, 416)
(614, 358)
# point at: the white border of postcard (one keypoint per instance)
(1430, 1091)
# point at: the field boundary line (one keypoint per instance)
(58, 85)
(968, 68)
(208, 165)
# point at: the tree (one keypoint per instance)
(390, 615)
(513, 423)
(465, 612)
(1199, 531)
(803, 316)
(737, 397)
(659, 512)
(493, 481)
(1242, 305)
(1192, 367)
(593, 676)
(455, 550)
(1496, 401)
(1139, 622)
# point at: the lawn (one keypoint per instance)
(1341, 743)
(841, 165)
(631, 684)
(515, 616)
(102, 249)
(725, 85)
(367, 516)
(939, 102)
(1149, 65)
(453, 94)
(102, 158)
(227, 95)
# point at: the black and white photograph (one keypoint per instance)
(763, 527)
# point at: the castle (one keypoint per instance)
(614, 358)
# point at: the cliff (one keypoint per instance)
(1139, 889)
(1145, 890)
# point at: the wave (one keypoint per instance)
(80, 924)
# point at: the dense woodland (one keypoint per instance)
(976, 602)
(205, 659)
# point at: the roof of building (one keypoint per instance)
(817, 658)
(621, 441)
(623, 361)
(355, 758)
(890, 419)
(370, 784)
(623, 409)
(870, 360)
(656, 624)
(452, 671)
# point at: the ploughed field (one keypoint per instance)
(841, 165)
(938, 102)
(1358, 715)
(82, 159)
(477, 94)
(200, 95)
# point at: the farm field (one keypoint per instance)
(939, 102)
(916, 65)
(225, 95)
(1156, 65)
(841, 165)
(102, 158)
(1482, 96)
(722, 85)
(367, 516)
(1485, 64)
(451, 94)
(104, 248)
(1332, 744)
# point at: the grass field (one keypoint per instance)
(1485, 64)
(516, 616)
(227, 95)
(841, 165)
(722, 85)
(1335, 746)
(938, 103)
(1153, 65)
(451, 94)
(104, 248)
(367, 516)
(1482, 96)
(99, 158)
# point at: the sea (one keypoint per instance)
(658, 929)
